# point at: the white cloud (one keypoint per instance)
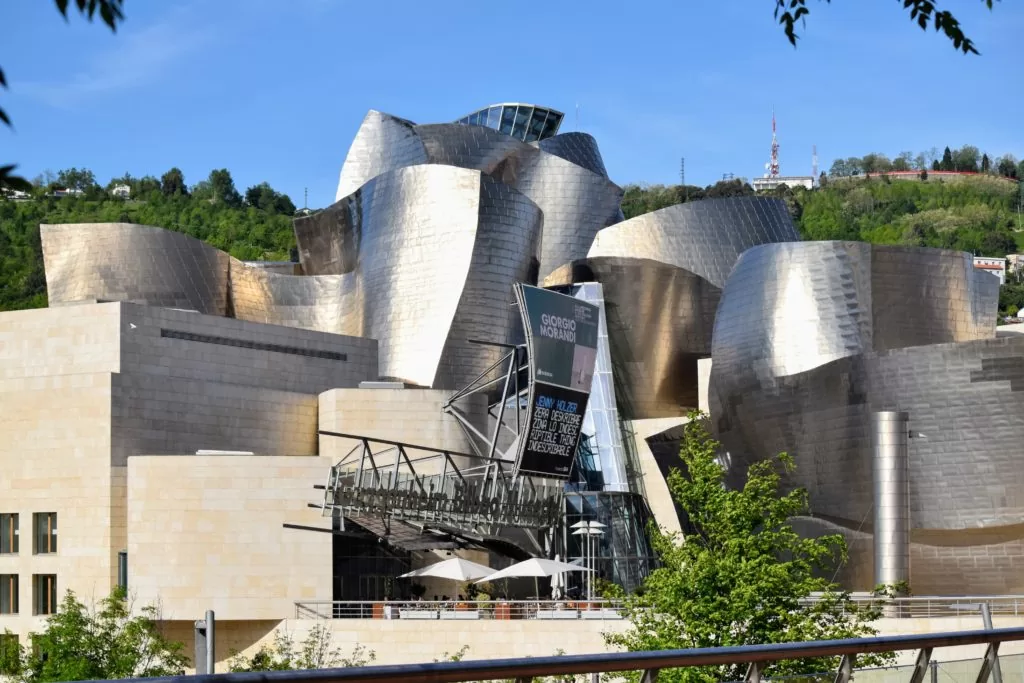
(138, 58)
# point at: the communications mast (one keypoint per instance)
(773, 163)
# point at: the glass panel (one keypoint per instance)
(508, 119)
(45, 532)
(523, 115)
(8, 533)
(493, 117)
(8, 593)
(45, 590)
(536, 125)
(550, 126)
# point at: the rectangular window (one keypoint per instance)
(44, 590)
(8, 533)
(10, 653)
(8, 593)
(45, 532)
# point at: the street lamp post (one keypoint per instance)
(589, 530)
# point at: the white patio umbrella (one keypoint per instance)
(535, 567)
(455, 569)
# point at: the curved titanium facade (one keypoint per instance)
(135, 263)
(660, 320)
(812, 339)
(704, 237)
(576, 201)
(662, 274)
(431, 253)
(526, 122)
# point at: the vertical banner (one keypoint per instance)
(561, 339)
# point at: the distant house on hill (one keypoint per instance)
(67, 192)
(122, 191)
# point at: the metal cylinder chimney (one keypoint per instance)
(891, 473)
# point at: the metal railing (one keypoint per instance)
(927, 606)
(756, 657)
(462, 609)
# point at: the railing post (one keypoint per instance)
(934, 666)
(524, 679)
(845, 671)
(924, 659)
(988, 662)
(649, 676)
(753, 673)
(986, 618)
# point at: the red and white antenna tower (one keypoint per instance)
(773, 164)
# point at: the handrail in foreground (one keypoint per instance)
(524, 669)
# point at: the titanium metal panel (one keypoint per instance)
(704, 237)
(576, 201)
(660, 320)
(577, 148)
(430, 254)
(810, 339)
(135, 263)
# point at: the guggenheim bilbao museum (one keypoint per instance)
(473, 353)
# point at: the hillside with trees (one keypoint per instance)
(980, 211)
(256, 225)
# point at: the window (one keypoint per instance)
(44, 589)
(10, 653)
(45, 531)
(8, 533)
(8, 593)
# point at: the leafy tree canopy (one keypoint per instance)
(113, 641)
(316, 651)
(923, 12)
(742, 575)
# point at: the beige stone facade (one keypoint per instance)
(208, 532)
(85, 389)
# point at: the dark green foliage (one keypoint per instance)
(111, 642)
(743, 575)
(221, 220)
(922, 12)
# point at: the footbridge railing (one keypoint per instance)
(649, 664)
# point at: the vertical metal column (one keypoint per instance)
(891, 470)
(205, 651)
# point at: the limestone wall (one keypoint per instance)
(206, 532)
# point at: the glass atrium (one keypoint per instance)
(524, 122)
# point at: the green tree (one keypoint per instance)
(1006, 166)
(966, 159)
(986, 163)
(223, 188)
(265, 198)
(316, 651)
(76, 179)
(113, 641)
(742, 575)
(947, 160)
(173, 183)
(922, 12)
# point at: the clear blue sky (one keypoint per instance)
(275, 89)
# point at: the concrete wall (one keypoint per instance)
(408, 642)
(86, 388)
(408, 415)
(206, 532)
